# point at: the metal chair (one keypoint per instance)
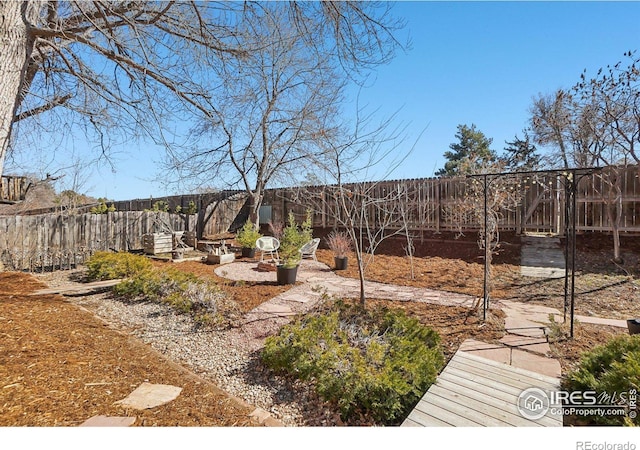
(308, 250)
(270, 245)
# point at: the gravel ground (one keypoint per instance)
(228, 358)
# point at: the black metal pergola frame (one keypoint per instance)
(570, 179)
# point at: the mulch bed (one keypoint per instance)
(60, 365)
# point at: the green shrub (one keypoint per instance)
(376, 363)
(111, 266)
(184, 292)
(607, 369)
(102, 207)
(159, 206)
(293, 238)
(248, 235)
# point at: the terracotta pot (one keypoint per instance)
(341, 263)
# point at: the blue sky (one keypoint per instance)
(481, 63)
(470, 63)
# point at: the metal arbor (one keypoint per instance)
(569, 179)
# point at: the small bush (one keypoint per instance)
(102, 207)
(185, 293)
(293, 238)
(376, 363)
(608, 369)
(248, 235)
(339, 243)
(111, 266)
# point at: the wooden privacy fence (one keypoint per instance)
(58, 240)
(427, 202)
(215, 211)
(13, 189)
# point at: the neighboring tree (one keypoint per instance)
(274, 105)
(611, 101)
(558, 121)
(123, 69)
(595, 123)
(520, 155)
(472, 146)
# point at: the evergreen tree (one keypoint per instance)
(472, 148)
(520, 155)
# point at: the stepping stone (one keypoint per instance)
(147, 396)
(532, 344)
(300, 298)
(535, 363)
(518, 324)
(494, 352)
(602, 321)
(260, 415)
(273, 309)
(108, 421)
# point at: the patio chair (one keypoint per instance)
(308, 250)
(268, 245)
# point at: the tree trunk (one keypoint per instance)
(614, 212)
(17, 46)
(255, 201)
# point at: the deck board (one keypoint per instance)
(475, 391)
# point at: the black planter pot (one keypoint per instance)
(286, 275)
(248, 252)
(341, 263)
(634, 326)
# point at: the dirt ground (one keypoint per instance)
(58, 364)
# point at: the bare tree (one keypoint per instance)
(72, 185)
(113, 65)
(134, 66)
(274, 104)
(367, 213)
(610, 102)
(558, 121)
(596, 122)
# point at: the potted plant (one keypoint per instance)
(247, 237)
(339, 243)
(292, 239)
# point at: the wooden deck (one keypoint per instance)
(472, 392)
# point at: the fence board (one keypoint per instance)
(430, 202)
(52, 240)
